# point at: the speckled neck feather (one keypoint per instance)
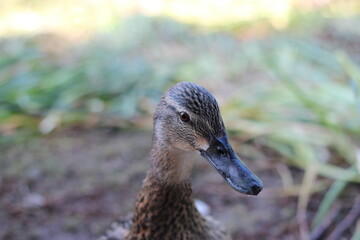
(164, 206)
(167, 212)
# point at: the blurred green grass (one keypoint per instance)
(298, 95)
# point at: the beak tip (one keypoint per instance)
(256, 189)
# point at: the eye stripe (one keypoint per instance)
(171, 107)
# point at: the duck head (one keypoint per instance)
(188, 119)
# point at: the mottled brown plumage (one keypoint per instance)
(165, 206)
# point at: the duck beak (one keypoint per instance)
(221, 155)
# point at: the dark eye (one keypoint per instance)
(184, 117)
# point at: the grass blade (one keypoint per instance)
(336, 188)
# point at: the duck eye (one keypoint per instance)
(184, 117)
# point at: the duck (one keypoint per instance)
(187, 120)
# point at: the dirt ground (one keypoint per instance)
(74, 183)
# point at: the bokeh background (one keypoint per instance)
(79, 81)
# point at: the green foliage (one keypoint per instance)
(305, 110)
(110, 74)
(301, 103)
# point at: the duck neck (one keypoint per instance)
(166, 200)
(169, 164)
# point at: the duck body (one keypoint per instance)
(186, 120)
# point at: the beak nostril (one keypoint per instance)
(221, 151)
(256, 189)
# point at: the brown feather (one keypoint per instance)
(165, 206)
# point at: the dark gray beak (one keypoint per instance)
(221, 155)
